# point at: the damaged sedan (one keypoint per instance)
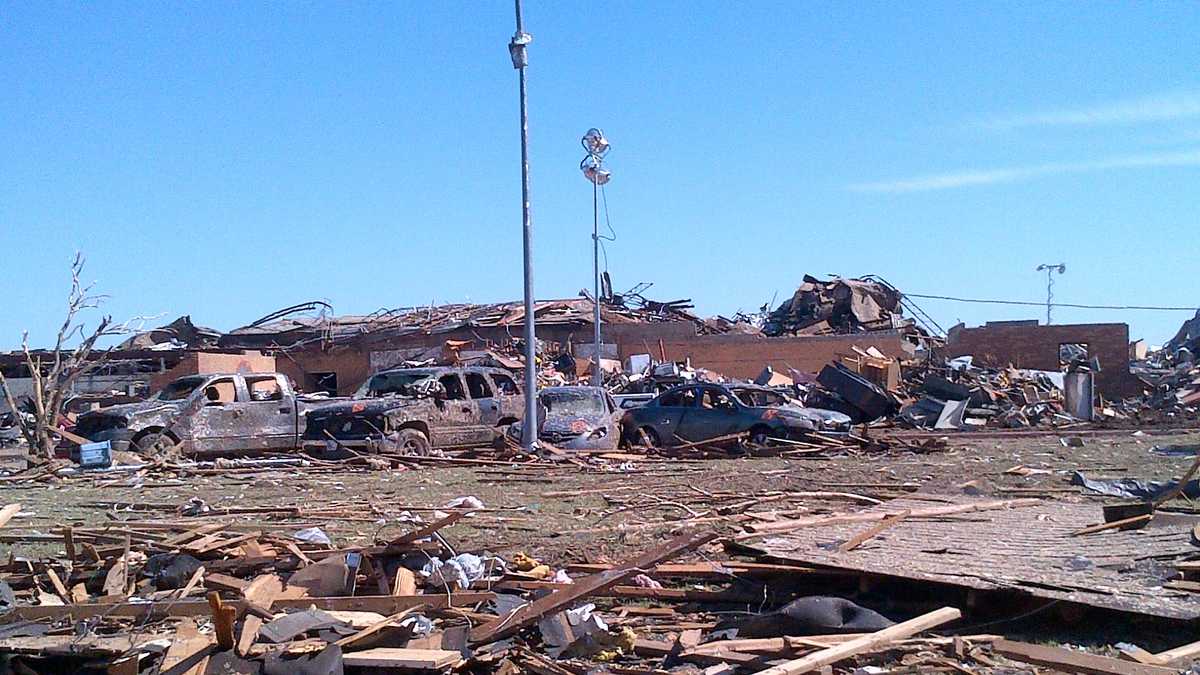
(575, 418)
(698, 412)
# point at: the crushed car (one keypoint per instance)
(203, 414)
(698, 412)
(417, 410)
(575, 418)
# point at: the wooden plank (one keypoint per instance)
(381, 604)
(405, 582)
(375, 628)
(259, 595)
(188, 653)
(198, 548)
(57, 583)
(222, 616)
(860, 538)
(7, 513)
(429, 529)
(1114, 525)
(224, 582)
(392, 657)
(871, 516)
(1188, 651)
(866, 643)
(531, 613)
(192, 582)
(192, 534)
(1072, 661)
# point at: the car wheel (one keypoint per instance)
(761, 435)
(154, 444)
(648, 436)
(413, 442)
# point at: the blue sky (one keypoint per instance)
(227, 159)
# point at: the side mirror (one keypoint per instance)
(212, 394)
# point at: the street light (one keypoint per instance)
(516, 51)
(592, 166)
(1050, 270)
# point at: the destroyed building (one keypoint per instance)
(1029, 345)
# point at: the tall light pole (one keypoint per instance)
(516, 50)
(1050, 270)
(597, 147)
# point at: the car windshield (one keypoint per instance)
(576, 403)
(181, 388)
(385, 384)
(759, 398)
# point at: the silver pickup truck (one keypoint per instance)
(204, 414)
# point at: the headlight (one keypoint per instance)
(598, 433)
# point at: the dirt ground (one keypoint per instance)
(566, 513)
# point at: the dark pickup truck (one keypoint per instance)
(413, 410)
(204, 414)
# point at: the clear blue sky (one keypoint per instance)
(226, 159)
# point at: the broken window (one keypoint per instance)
(680, 398)
(715, 399)
(505, 384)
(220, 392)
(326, 382)
(478, 386)
(264, 389)
(181, 388)
(453, 386)
(1072, 353)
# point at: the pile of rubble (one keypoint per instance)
(194, 595)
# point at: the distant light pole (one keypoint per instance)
(597, 147)
(1050, 270)
(516, 50)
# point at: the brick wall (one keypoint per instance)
(741, 356)
(1027, 345)
(744, 356)
(196, 363)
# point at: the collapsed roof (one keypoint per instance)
(312, 323)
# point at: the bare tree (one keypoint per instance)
(53, 373)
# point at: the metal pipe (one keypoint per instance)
(529, 427)
(597, 378)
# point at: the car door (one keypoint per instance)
(713, 414)
(214, 423)
(457, 419)
(270, 413)
(508, 394)
(662, 416)
(479, 389)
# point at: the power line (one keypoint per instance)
(1055, 304)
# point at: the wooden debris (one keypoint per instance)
(1073, 661)
(412, 659)
(866, 643)
(858, 539)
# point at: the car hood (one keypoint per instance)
(819, 415)
(567, 425)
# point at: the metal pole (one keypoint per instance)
(597, 379)
(1049, 291)
(529, 429)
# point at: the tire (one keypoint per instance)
(651, 437)
(760, 435)
(154, 444)
(413, 442)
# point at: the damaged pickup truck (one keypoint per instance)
(417, 410)
(204, 414)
